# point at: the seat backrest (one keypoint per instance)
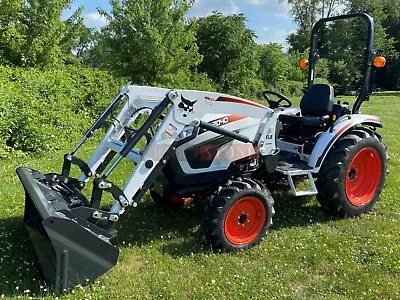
(317, 101)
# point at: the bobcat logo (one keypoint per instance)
(186, 106)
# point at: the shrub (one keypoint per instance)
(42, 110)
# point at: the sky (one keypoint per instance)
(269, 19)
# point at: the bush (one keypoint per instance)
(281, 71)
(182, 80)
(42, 110)
(295, 88)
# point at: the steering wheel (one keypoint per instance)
(275, 104)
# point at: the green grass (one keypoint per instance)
(164, 255)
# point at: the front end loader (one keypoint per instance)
(72, 235)
(189, 146)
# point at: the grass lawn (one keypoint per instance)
(164, 255)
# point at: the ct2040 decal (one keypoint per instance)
(226, 120)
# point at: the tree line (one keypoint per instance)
(153, 43)
(343, 42)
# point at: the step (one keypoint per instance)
(296, 193)
(293, 168)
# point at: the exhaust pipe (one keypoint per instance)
(71, 249)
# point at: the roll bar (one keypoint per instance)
(369, 54)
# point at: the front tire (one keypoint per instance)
(238, 216)
(353, 174)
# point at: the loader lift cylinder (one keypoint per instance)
(224, 132)
(98, 123)
(69, 158)
(157, 112)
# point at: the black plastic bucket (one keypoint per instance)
(71, 250)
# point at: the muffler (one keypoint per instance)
(72, 245)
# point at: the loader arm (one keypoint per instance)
(187, 108)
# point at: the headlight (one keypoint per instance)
(187, 131)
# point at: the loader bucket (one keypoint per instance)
(70, 249)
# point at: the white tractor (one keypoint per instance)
(205, 146)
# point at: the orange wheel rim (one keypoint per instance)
(244, 220)
(363, 176)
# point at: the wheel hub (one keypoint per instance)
(242, 219)
(352, 174)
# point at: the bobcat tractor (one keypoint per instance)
(203, 146)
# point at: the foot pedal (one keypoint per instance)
(296, 193)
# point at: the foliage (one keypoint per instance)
(387, 18)
(339, 74)
(274, 65)
(280, 71)
(322, 68)
(299, 40)
(148, 41)
(77, 39)
(33, 34)
(343, 42)
(41, 110)
(229, 53)
(305, 14)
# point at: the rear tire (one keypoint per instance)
(353, 174)
(239, 215)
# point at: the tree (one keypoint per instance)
(148, 41)
(386, 15)
(229, 52)
(12, 27)
(339, 74)
(274, 66)
(343, 42)
(31, 32)
(305, 13)
(77, 38)
(389, 77)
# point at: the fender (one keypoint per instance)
(340, 127)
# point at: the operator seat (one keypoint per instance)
(315, 106)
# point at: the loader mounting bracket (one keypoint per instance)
(70, 160)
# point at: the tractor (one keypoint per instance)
(205, 146)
